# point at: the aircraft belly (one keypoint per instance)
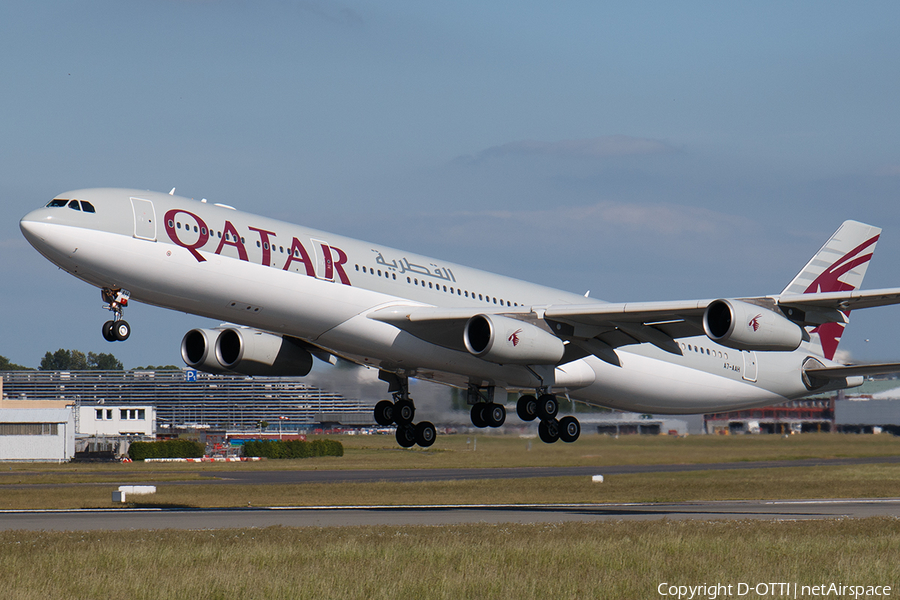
(643, 384)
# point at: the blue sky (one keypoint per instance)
(640, 150)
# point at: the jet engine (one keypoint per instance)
(245, 351)
(509, 341)
(198, 350)
(746, 326)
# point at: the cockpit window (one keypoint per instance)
(73, 204)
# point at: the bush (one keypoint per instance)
(166, 449)
(293, 448)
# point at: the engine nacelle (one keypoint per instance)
(746, 326)
(509, 341)
(245, 351)
(198, 350)
(253, 352)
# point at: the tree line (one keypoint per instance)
(76, 360)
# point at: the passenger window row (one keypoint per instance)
(707, 351)
(439, 287)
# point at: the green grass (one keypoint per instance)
(570, 560)
(95, 482)
(866, 481)
(496, 450)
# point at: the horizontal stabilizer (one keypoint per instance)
(853, 371)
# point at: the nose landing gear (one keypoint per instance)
(115, 300)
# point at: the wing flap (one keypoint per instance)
(632, 312)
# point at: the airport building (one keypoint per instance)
(870, 408)
(125, 402)
(873, 407)
(61, 415)
(104, 420)
(37, 434)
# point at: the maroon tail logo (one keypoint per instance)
(829, 281)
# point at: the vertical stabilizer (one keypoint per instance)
(839, 266)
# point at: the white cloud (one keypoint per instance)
(590, 148)
(608, 217)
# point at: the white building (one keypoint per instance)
(104, 420)
(37, 434)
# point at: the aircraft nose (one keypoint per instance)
(30, 225)
(37, 227)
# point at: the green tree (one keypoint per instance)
(6, 365)
(76, 360)
(104, 362)
(64, 360)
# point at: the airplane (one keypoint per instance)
(288, 293)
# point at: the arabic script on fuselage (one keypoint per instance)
(402, 265)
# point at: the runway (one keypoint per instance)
(415, 475)
(206, 519)
(299, 476)
(189, 518)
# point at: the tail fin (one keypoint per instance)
(838, 266)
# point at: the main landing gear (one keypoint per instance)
(487, 413)
(402, 411)
(545, 406)
(117, 329)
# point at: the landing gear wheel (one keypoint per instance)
(569, 429)
(108, 333)
(494, 414)
(425, 434)
(477, 415)
(547, 407)
(404, 411)
(121, 330)
(526, 408)
(384, 413)
(548, 431)
(406, 435)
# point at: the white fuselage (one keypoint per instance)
(233, 266)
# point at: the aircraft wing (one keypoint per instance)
(614, 324)
(595, 328)
(598, 328)
(841, 300)
(687, 310)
